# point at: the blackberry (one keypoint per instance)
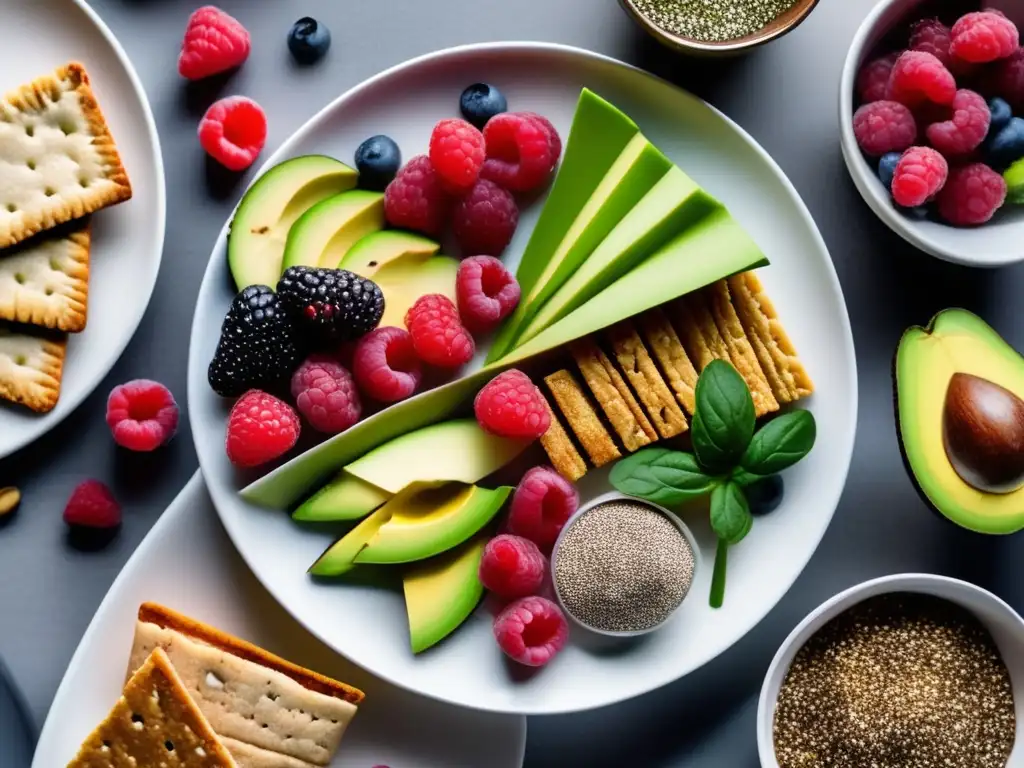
(259, 345)
(335, 304)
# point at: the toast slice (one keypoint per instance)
(561, 451)
(582, 418)
(31, 366)
(664, 344)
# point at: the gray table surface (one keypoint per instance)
(785, 95)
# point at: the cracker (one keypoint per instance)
(613, 395)
(668, 350)
(741, 353)
(636, 363)
(31, 366)
(697, 330)
(560, 449)
(582, 418)
(58, 161)
(154, 723)
(44, 281)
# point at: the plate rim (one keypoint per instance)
(520, 47)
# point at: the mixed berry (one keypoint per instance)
(308, 40)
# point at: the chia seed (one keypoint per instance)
(623, 567)
(713, 21)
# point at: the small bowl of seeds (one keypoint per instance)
(717, 27)
(621, 566)
(913, 670)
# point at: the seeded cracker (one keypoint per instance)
(582, 418)
(560, 449)
(668, 350)
(697, 330)
(31, 366)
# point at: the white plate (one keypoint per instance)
(187, 563)
(128, 238)
(368, 626)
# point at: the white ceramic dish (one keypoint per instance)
(992, 245)
(187, 563)
(369, 626)
(128, 239)
(1005, 624)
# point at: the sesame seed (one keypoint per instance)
(713, 20)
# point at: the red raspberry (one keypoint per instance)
(983, 36)
(325, 394)
(457, 153)
(554, 140)
(214, 42)
(519, 152)
(510, 405)
(972, 195)
(967, 128)
(884, 126)
(142, 415)
(1008, 78)
(385, 365)
(415, 198)
(512, 567)
(486, 293)
(260, 428)
(542, 504)
(917, 77)
(437, 334)
(485, 219)
(233, 132)
(92, 505)
(919, 176)
(532, 630)
(874, 78)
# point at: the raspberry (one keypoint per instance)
(1008, 78)
(884, 126)
(415, 198)
(520, 154)
(972, 195)
(214, 42)
(486, 292)
(142, 415)
(982, 37)
(325, 394)
(510, 405)
(919, 176)
(437, 334)
(554, 140)
(967, 128)
(92, 505)
(543, 503)
(385, 365)
(917, 77)
(457, 153)
(532, 631)
(512, 567)
(233, 132)
(874, 78)
(260, 428)
(485, 219)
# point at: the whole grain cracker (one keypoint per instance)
(31, 366)
(582, 418)
(697, 330)
(560, 449)
(668, 350)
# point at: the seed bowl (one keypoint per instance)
(606, 498)
(1005, 625)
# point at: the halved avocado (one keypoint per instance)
(380, 249)
(404, 280)
(269, 208)
(346, 497)
(961, 419)
(323, 235)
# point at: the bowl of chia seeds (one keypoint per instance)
(914, 670)
(717, 27)
(621, 566)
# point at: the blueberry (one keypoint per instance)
(1001, 114)
(1006, 146)
(887, 168)
(377, 160)
(918, 213)
(308, 40)
(765, 495)
(480, 102)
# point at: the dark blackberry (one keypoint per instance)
(335, 304)
(259, 346)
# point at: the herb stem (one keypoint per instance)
(718, 577)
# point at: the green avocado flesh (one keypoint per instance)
(441, 593)
(346, 497)
(272, 204)
(379, 249)
(323, 235)
(956, 341)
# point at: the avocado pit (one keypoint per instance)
(983, 433)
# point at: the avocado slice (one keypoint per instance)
(404, 280)
(927, 360)
(441, 593)
(323, 235)
(340, 557)
(269, 208)
(344, 498)
(380, 249)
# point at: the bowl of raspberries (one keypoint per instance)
(932, 125)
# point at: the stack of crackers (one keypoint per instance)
(58, 164)
(198, 698)
(638, 377)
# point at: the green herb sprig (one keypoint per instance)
(728, 455)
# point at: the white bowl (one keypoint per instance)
(1005, 624)
(992, 245)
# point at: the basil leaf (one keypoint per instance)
(662, 476)
(744, 478)
(717, 597)
(780, 443)
(724, 420)
(730, 514)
